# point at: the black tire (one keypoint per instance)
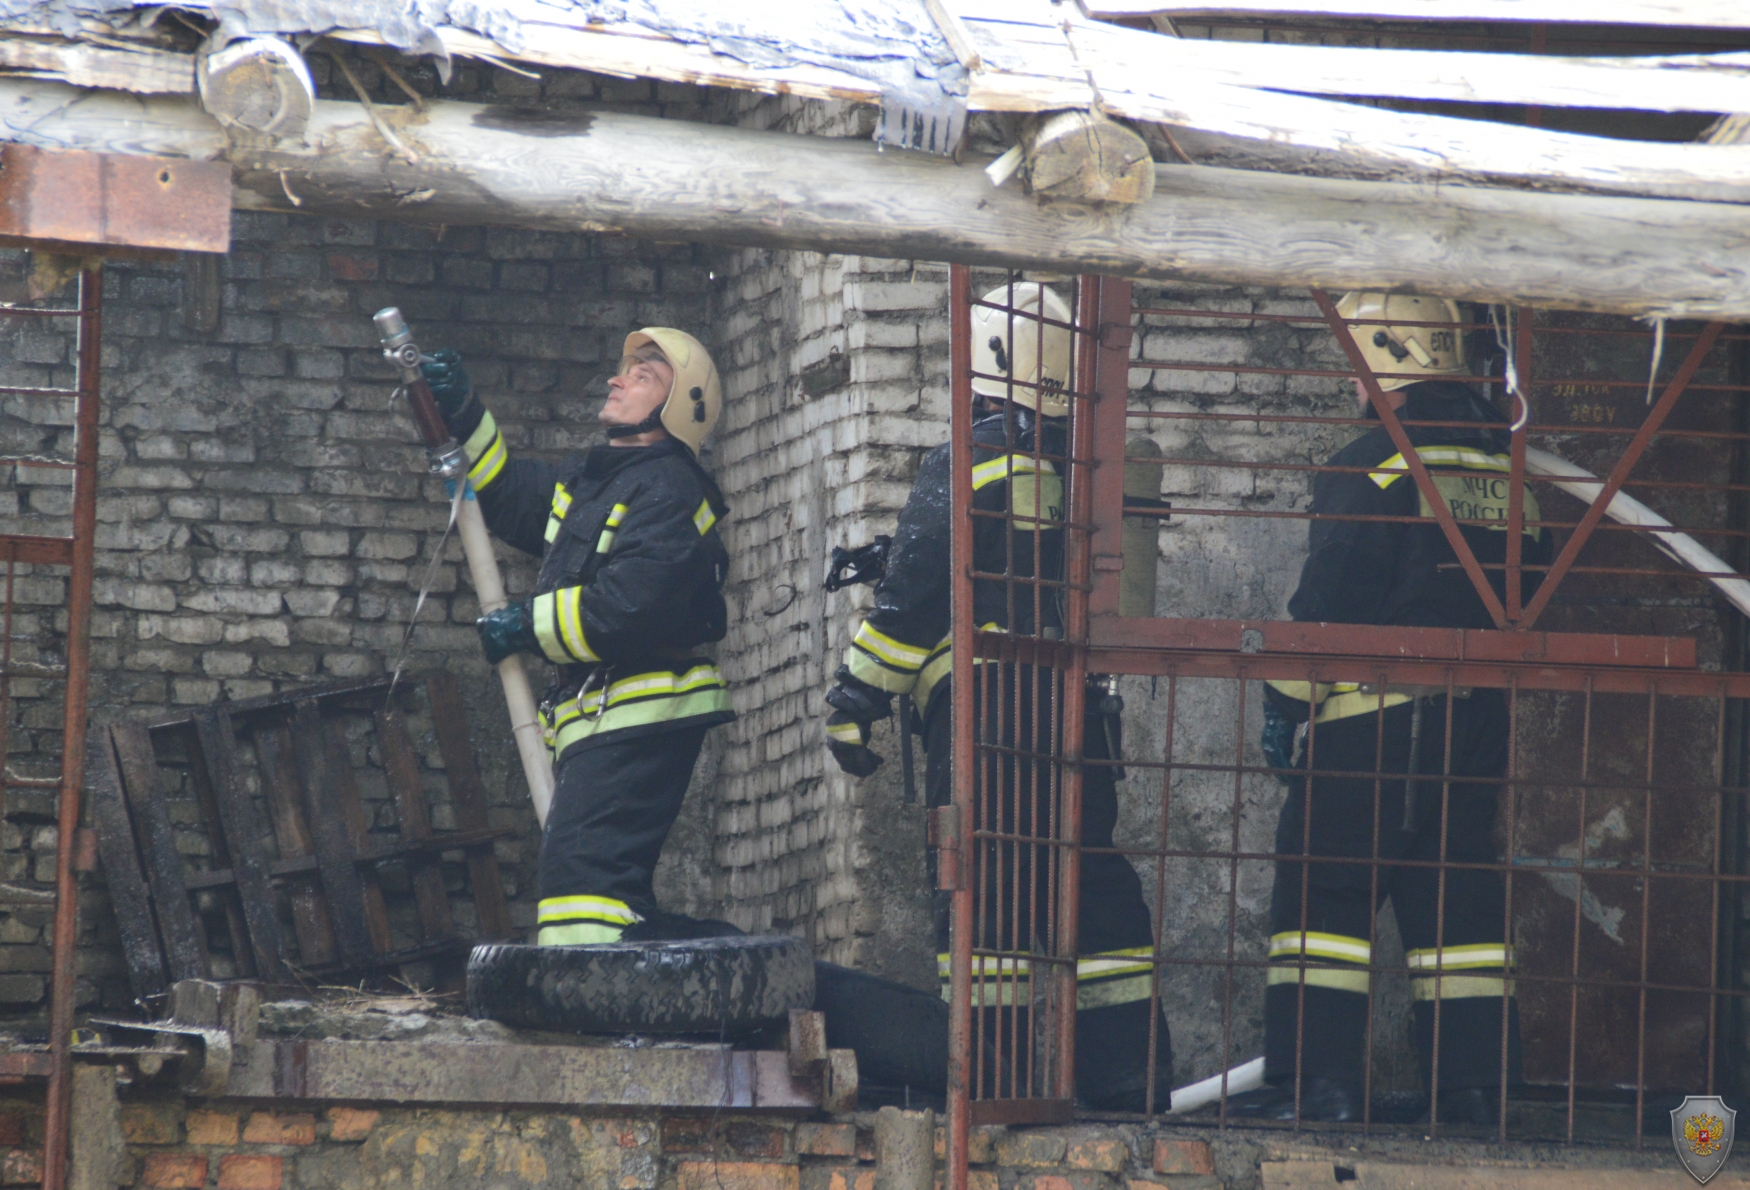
(704, 985)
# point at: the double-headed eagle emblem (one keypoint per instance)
(1703, 1134)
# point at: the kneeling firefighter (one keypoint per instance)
(1376, 555)
(903, 647)
(630, 585)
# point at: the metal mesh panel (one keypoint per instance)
(1543, 816)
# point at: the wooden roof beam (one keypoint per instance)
(675, 180)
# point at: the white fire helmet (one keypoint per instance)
(696, 396)
(1425, 351)
(1006, 343)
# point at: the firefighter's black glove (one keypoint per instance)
(848, 741)
(510, 629)
(1277, 737)
(857, 707)
(449, 382)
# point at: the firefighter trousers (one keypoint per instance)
(1451, 920)
(1116, 940)
(613, 806)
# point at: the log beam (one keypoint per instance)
(674, 180)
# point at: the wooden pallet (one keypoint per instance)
(277, 793)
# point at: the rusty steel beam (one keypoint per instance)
(1388, 417)
(1495, 675)
(1390, 644)
(73, 714)
(960, 1039)
(79, 198)
(1619, 474)
(568, 1076)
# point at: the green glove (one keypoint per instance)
(510, 629)
(448, 380)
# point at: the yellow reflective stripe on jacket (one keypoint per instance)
(1303, 691)
(1315, 945)
(939, 665)
(1468, 457)
(848, 732)
(561, 506)
(882, 661)
(891, 652)
(1007, 465)
(1354, 702)
(639, 700)
(1459, 958)
(559, 626)
(584, 908)
(704, 518)
(486, 452)
(606, 541)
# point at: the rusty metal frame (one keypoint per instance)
(75, 552)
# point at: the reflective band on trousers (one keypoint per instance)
(1107, 978)
(580, 933)
(585, 908)
(1460, 958)
(636, 701)
(1321, 946)
(1459, 987)
(1336, 978)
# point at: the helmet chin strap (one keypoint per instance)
(653, 422)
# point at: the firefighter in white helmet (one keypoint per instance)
(1377, 556)
(630, 586)
(1021, 363)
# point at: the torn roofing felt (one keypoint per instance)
(893, 44)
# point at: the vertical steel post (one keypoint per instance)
(960, 583)
(61, 980)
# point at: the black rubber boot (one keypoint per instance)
(1321, 1099)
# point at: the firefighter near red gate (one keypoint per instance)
(1432, 757)
(1021, 364)
(629, 588)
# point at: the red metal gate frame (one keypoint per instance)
(75, 552)
(1096, 638)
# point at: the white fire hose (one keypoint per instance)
(449, 461)
(1625, 509)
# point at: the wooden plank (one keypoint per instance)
(343, 789)
(468, 799)
(632, 51)
(1698, 14)
(1678, 83)
(279, 781)
(1342, 138)
(401, 765)
(331, 840)
(776, 190)
(307, 865)
(236, 924)
(185, 944)
(87, 65)
(128, 894)
(246, 836)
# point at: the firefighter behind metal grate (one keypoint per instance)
(1020, 440)
(1396, 572)
(630, 586)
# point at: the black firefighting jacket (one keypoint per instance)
(631, 579)
(1402, 573)
(903, 645)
